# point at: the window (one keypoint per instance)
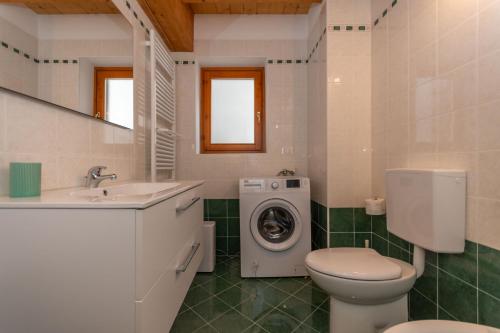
(232, 110)
(114, 95)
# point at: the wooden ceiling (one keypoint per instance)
(285, 7)
(68, 6)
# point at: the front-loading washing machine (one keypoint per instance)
(275, 226)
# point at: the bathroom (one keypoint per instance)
(344, 91)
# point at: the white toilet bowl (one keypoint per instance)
(368, 292)
(440, 326)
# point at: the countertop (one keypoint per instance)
(64, 198)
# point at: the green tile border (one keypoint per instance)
(462, 287)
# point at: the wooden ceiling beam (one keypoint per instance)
(174, 20)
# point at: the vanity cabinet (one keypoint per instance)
(98, 270)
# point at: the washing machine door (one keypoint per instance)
(276, 225)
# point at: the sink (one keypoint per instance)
(116, 192)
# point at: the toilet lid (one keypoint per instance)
(353, 263)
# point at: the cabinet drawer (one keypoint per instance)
(161, 232)
(157, 311)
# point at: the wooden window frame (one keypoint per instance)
(209, 73)
(100, 76)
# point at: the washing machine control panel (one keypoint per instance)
(274, 184)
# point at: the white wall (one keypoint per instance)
(349, 104)
(436, 100)
(286, 90)
(316, 101)
(86, 26)
(250, 27)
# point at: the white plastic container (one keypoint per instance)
(208, 263)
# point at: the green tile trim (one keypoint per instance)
(454, 286)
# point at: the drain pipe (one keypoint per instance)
(419, 260)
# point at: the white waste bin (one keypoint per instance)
(208, 263)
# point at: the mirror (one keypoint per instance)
(82, 62)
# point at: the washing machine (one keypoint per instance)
(275, 226)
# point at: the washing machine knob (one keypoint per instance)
(275, 185)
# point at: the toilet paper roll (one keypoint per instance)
(375, 206)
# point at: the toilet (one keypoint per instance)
(368, 291)
(440, 326)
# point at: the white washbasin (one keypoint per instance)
(440, 326)
(124, 191)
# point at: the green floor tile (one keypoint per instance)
(311, 295)
(296, 308)
(254, 287)
(319, 320)
(241, 303)
(211, 309)
(216, 285)
(255, 329)
(234, 296)
(187, 322)
(277, 321)
(202, 278)
(289, 285)
(274, 296)
(305, 329)
(254, 308)
(231, 322)
(196, 295)
(206, 329)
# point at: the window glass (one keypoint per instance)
(232, 111)
(119, 102)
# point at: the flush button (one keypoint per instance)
(275, 185)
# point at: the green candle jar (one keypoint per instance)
(25, 179)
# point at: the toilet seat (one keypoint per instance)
(362, 264)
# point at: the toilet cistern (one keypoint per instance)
(428, 209)
(94, 176)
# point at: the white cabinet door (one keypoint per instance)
(67, 270)
(179, 240)
(157, 311)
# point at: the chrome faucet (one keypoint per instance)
(94, 177)
(286, 172)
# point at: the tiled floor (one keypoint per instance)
(224, 302)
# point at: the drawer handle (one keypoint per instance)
(187, 205)
(184, 266)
